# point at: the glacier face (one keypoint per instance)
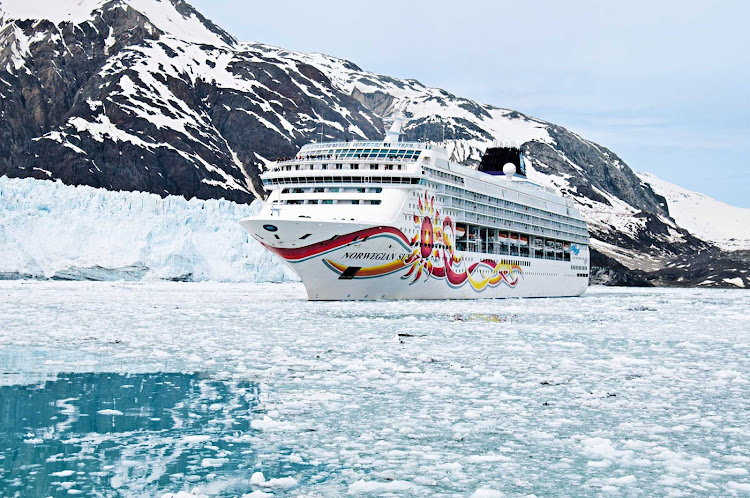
(51, 230)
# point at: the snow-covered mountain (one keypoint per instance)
(148, 95)
(714, 221)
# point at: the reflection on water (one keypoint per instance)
(110, 434)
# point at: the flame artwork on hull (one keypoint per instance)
(433, 255)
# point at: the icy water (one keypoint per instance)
(223, 390)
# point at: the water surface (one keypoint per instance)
(146, 389)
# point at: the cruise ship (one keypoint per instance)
(366, 220)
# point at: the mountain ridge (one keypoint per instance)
(151, 96)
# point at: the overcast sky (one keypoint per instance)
(664, 84)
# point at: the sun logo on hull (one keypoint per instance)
(434, 254)
(431, 245)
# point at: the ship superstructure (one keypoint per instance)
(368, 220)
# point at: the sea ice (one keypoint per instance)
(244, 389)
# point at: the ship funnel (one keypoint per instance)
(394, 131)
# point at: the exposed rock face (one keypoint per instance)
(159, 99)
(116, 102)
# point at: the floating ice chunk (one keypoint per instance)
(495, 378)
(257, 494)
(737, 471)
(598, 447)
(198, 438)
(183, 494)
(258, 479)
(214, 462)
(109, 411)
(489, 458)
(34, 440)
(728, 374)
(269, 424)
(487, 493)
(621, 480)
(280, 482)
(363, 486)
(63, 473)
(740, 486)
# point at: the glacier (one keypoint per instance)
(232, 389)
(52, 230)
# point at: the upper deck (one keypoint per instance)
(357, 145)
(361, 179)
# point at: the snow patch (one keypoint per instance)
(714, 221)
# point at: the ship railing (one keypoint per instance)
(314, 180)
(380, 144)
(341, 160)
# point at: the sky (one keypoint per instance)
(664, 84)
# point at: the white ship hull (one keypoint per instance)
(365, 261)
